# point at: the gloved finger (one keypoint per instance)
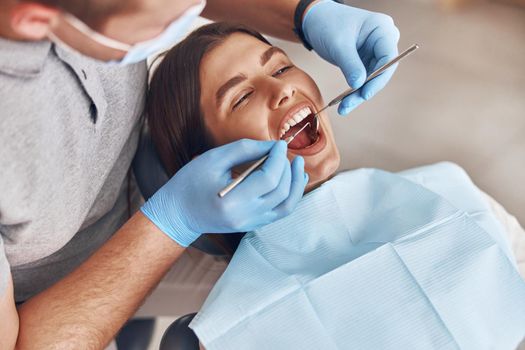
(371, 88)
(370, 68)
(367, 54)
(350, 103)
(280, 193)
(297, 186)
(385, 43)
(236, 153)
(385, 49)
(293, 191)
(348, 60)
(267, 177)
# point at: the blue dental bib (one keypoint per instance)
(373, 260)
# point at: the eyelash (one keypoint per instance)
(245, 96)
(282, 71)
(241, 100)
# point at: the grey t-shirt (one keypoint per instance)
(68, 131)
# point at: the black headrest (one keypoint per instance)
(151, 176)
(148, 169)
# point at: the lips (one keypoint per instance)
(303, 144)
(314, 148)
(293, 111)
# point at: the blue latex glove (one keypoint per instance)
(188, 204)
(355, 40)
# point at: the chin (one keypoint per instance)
(322, 172)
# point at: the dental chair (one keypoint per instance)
(178, 336)
(150, 176)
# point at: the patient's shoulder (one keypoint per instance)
(442, 171)
(448, 169)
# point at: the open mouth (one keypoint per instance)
(306, 138)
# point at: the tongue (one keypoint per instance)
(302, 140)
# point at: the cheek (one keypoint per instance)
(247, 122)
(324, 168)
(252, 130)
(319, 173)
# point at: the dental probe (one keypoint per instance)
(253, 167)
(380, 70)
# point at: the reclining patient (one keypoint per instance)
(369, 259)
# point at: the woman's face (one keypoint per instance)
(252, 90)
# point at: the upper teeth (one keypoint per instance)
(295, 119)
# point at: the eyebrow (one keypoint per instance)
(227, 86)
(265, 57)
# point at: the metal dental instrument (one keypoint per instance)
(254, 167)
(315, 128)
(370, 77)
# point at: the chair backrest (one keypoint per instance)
(147, 167)
(151, 176)
(178, 336)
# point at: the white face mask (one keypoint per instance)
(139, 51)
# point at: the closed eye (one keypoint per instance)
(247, 95)
(242, 99)
(281, 71)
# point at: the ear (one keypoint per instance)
(33, 21)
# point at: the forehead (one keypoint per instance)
(239, 53)
(238, 48)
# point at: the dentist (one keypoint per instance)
(73, 266)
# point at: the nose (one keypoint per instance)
(282, 93)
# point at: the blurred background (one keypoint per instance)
(459, 98)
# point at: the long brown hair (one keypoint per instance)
(173, 108)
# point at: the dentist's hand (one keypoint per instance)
(188, 204)
(355, 40)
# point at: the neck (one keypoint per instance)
(313, 186)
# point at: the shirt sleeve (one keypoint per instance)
(5, 269)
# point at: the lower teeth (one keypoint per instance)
(311, 132)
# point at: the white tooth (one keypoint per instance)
(286, 127)
(305, 113)
(299, 116)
